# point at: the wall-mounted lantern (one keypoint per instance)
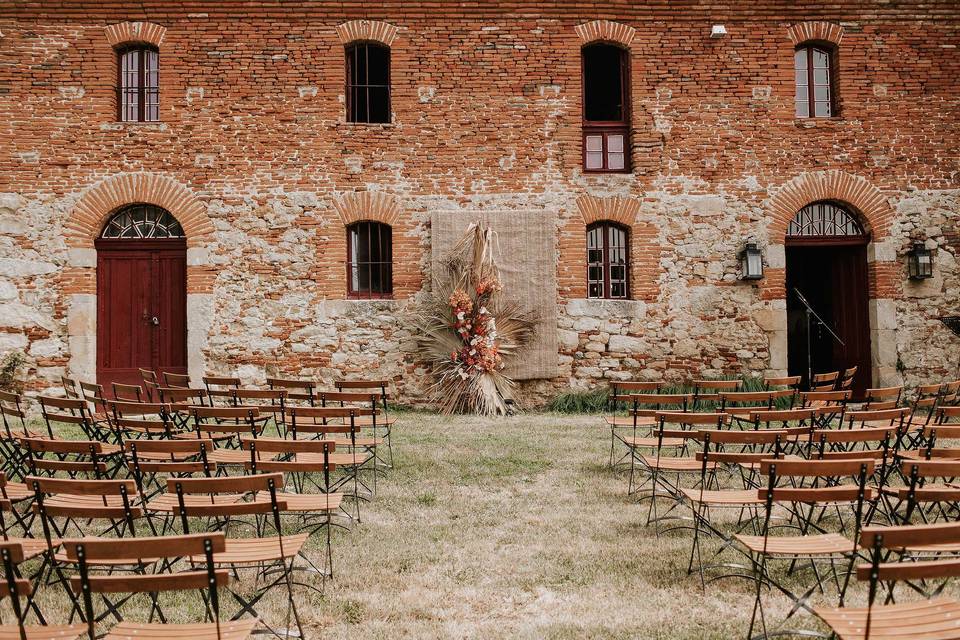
(919, 262)
(751, 262)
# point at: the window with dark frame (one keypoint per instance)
(368, 82)
(138, 85)
(608, 260)
(369, 260)
(606, 108)
(815, 70)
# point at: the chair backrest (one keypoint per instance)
(883, 398)
(93, 393)
(790, 382)
(366, 385)
(326, 419)
(835, 398)
(118, 503)
(899, 418)
(65, 411)
(181, 396)
(171, 379)
(257, 485)
(824, 381)
(12, 585)
(13, 416)
(284, 455)
(846, 378)
(221, 387)
(150, 383)
(151, 418)
(343, 398)
(177, 456)
(224, 420)
(648, 404)
(127, 392)
(87, 551)
(781, 418)
(743, 402)
(705, 391)
(69, 387)
(297, 390)
(882, 543)
(948, 415)
(69, 456)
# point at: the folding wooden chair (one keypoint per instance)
(14, 428)
(386, 422)
(17, 588)
(270, 555)
(667, 471)
(150, 462)
(10, 497)
(95, 396)
(202, 549)
(845, 381)
(642, 422)
(931, 494)
(933, 619)
(741, 451)
(620, 400)
(372, 420)
(806, 488)
(77, 458)
(150, 383)
(925, 399)
(831, 404)
(707, 392)
(326, 422)
(181, 402)
(180, 380)
(302, 461)
(220, 388)
(740, 404)
(298, 391)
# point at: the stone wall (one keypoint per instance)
(254, 157)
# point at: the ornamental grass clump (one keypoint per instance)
(465, 330)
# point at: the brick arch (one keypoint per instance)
(606, 30)
(811, 187)
(373, 30)
(619, 209)
(368, 205)
(104, 198)
(124, 32)
(820, 31)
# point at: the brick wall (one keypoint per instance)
(253, 154)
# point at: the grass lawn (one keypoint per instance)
(515, 528)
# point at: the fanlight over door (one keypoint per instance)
(825, 219)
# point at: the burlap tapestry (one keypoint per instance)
(525, 252)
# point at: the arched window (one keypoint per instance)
(815, 67)
(138, 84)
(825, 218)
(142, 221)
(606, 108)
(369, 260)
(368, 82)
(608, 260)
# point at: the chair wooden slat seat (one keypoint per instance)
(45, 632)
(167, 502)
(307, 502)
(252, 551)
(235, 630)
(934, 619)
(723, 497)
(648, 442)
(825, 544)
(628, 421)
(675, 464)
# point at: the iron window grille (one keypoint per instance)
(142, 221)
(368, 83)
(606, 109)
(138, 84)
(608, 261)
(369, 260)
(814, 68)
(825, 219)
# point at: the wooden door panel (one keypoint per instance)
(137, 281)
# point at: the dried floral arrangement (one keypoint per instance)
(464, 330)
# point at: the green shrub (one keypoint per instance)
(593, 401)
(9, 371)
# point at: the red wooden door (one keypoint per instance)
(851, 315)
(141, 308)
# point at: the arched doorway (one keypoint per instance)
(141, 294)
(826, 259)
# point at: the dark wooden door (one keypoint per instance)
(851, 314)
(141, 308)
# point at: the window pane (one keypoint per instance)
(822, 93)
(615, 161)
(603, 83)
(800, 59)
(821, 59)
(594, 143)
(823, 109)
(615, 143)
(594, 160)
(596, 290)
(370, 268)
(803, 107)
(821, 76)
(618, 290)
(801, 77)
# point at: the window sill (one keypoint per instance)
(368, 125)
(606, 307)
(123, 126)
(812, 123)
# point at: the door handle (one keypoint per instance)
(155, 321)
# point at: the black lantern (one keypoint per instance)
(920, 262)
(751, 262)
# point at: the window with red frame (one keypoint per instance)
(815, 71)
(608, 260)
(606, 108)
(138, 86)
(369, 260)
